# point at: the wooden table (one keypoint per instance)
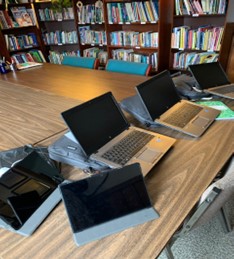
(174, 185)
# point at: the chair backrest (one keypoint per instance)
(85, 62)
(128, 67)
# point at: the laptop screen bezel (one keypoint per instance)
(156, 113)
(207, 68)
(95, 146)
(75, 195)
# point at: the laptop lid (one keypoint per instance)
(96, 122)
(25, 189)
(209, 75)
(107, 203)
(155, 94)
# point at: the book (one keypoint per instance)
(26, 65)
(226, 112)
(21, 16)
(83, 31)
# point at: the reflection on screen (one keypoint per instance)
(209, 75)
(24, 187)
(95, 122)
(104, 197)
(158, 94)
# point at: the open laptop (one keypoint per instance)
(28, 193)
(105, 135)
(164, 106)
(107, 203)
(211, 78)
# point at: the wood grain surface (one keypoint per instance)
(79, 83)
(174, 184)
(29, 115)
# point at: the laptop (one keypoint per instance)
(107, 203)
(105, 135)
(211, 78)
(164, 106)
(28, 193)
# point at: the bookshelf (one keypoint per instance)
(120, 29)
(19, 34)
(137, 31)
(58, 31)
(198, 32)
(91, 29)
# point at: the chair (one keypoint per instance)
(211, 203)
(85, 62)
(127, 67)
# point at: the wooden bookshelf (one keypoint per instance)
(19, 38)
(167, 20)
(156, 54)
(58, 31)
(195, 22)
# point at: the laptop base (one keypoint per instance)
(115, 226)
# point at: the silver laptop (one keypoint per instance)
(28, 193)
(105, 135)
(164, 106)
(211, 78)
(107, 203)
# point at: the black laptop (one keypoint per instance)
(164, 106)
(106, 203)
(211, 78)
(28, 193)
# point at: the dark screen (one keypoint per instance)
(104, 197)
(158, 94)
(96, 122)
(24, 187)
(209, 75)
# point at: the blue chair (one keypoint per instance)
(85, 62)
(127, 67)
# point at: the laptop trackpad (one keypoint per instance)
(201, 122)
(149, 155)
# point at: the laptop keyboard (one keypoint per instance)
(225, 90)
(183, 116)
(123, 151)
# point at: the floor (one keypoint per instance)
(206, 242)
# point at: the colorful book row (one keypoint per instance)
(183, 59)
(131, 12)
(96, 53)
(30, 56)
(130, 55)
(200, 7)
(88, 36)
(47, 14)
(16, 17)
(134, 39)
(60, 37)
(90, 13)
(56, 57)
(206, 38)
(19, 42)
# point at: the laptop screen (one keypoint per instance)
(209, 74)
(104, 197)
(24, 187)
(95, 122)
(158, 94)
